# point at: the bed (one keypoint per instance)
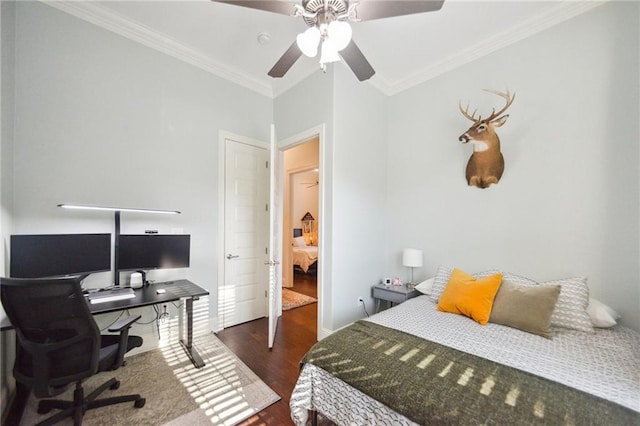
(468, 373)
(305, 257)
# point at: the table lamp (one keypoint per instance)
(411, 258)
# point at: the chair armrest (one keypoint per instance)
(124, 323)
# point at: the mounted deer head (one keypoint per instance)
(486, 163)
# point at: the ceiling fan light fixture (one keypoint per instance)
(308, 41)
(339, 32)
(329, 53)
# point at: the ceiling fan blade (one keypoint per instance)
(357, 62)
(368, 10)
(286, 61)
(276, 6)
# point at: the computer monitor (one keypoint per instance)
(144, 252)
(58, 255)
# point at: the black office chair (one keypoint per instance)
(59, 344)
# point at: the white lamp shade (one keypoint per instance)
(329, 53)
(339, 33)
(412, 258)
(308, 41)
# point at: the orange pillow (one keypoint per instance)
(466, 295)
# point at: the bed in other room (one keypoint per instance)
(305, 256)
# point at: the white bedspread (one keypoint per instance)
(305, 256)
(604, 364)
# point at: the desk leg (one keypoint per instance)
(187, 345)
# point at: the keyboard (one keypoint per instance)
(112, 295)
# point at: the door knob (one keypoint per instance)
(232, 256)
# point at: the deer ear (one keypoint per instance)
(500, 121)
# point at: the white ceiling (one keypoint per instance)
(404, 50)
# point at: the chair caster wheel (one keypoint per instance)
(115, 385)
(43, 410)
(139, 403)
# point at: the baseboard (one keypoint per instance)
(324, 332)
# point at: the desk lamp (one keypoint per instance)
(411, 258)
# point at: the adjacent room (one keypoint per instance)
(453, 184)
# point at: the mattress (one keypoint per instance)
(304, 257)
(603, 364)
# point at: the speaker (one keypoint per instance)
(136, 280)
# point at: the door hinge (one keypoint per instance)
(266, 250)
(265, 294)
(266, 207)
(266, 164)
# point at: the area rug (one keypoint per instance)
(291, 299)
(224, 392)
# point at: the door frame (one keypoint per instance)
(222, 136)
(324, 176)
(322, 277)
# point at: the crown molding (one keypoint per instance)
(101, 17)
(565, 11)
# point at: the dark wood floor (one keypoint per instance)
(279, 367)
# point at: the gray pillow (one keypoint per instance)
(527, 308)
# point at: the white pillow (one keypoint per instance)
(441, 279)
(570, 311)
(571, 308)
(299, 242)
(440, 282)
(425, 286)
(602, 316)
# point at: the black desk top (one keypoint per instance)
(145, 296)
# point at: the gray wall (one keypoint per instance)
(103, 120)
(359, 195)
(7, 62)
(567, 204)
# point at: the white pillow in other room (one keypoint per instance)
(299, 242)
(602, 316)
(425, 286)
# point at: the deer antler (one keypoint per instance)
(465, 112)
(508, 97)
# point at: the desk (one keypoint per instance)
(145, 296)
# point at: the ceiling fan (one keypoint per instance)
(329, 29)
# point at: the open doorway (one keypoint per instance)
(301, 221)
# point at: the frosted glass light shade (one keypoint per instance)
(339, 33)
(412, 258)
(329, 53)
(308, 41)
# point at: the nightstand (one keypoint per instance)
(392, 294)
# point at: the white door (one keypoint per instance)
(244, 290)
(275, 239)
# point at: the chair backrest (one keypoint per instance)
(58, 339)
